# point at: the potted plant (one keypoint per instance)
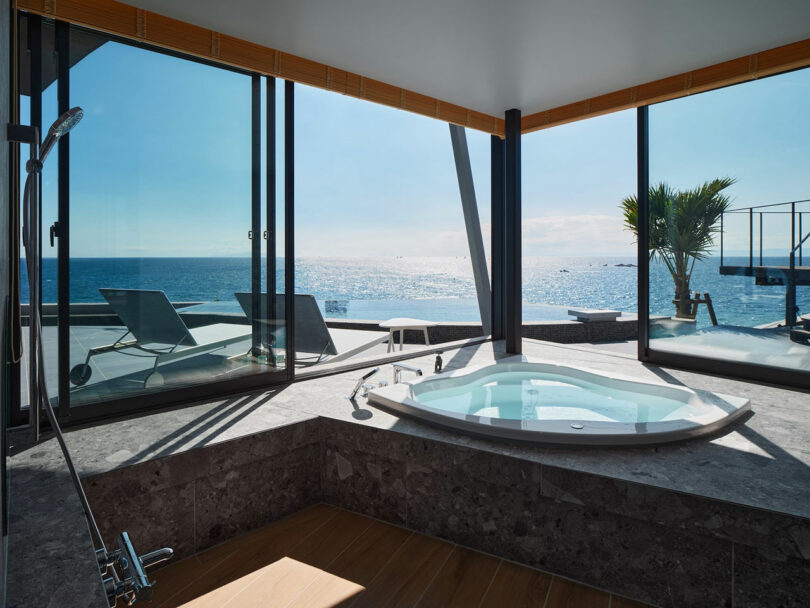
(683, 224)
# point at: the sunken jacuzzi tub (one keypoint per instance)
(543, 402)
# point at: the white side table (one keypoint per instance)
(400, 324)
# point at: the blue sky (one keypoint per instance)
(161, 165)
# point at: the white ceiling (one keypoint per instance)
(492, 55)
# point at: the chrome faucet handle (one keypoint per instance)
(155, 557)
(371, 385)
(366, 388)
(361, 382)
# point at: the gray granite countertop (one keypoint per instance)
(51, 554)
(761, 462)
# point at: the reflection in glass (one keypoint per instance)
(160, 214)
(727, 188)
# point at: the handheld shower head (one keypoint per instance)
(60, 127)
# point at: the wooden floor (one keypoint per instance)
(324, 556)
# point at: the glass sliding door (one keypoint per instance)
(730, 229)
(167, 220)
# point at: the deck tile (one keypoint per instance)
(232, 561)
(324, 557)
(403, 580)
(518, 587)
(321, 549)
(364, 559)
(276, 585)
(462, 582)
(327, 591)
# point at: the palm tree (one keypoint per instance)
(682, 228)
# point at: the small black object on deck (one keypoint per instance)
(697, 300)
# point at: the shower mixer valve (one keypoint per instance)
(132, 585)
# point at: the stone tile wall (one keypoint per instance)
(201, 497)
(663, 547)
(668, 548)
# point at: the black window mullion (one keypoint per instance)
(512, 234)
(256, 212)
(643, 204)
(63, 249)
(270, 244)
(289, 224)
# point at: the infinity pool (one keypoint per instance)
(549, 403)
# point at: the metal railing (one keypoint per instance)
(796, 221)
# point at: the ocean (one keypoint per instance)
(435, 288)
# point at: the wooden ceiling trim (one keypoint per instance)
(129, 22)
(749, 67)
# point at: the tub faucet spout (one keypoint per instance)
(400, 367)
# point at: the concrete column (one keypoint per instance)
(472, 223)
(497, 236)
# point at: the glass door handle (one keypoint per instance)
(54, 231)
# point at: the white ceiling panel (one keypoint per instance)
(491, 56)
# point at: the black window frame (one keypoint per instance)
(169, 397)
(740, 370)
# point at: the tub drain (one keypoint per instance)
(577, 426)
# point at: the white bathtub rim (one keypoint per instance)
(398, 397)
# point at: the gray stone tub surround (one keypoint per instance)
(659, 546)
(198, 498)
(635, 520)
(663, 547)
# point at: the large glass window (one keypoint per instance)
(173, 234)
(380, 228)
(168, 270)
(577, 253)
(729, 278)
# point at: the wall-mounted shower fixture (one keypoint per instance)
(32, 208)
(131, 583)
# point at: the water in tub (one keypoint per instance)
(544, 396)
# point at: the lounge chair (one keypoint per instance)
(312, 336)
(155, 328)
